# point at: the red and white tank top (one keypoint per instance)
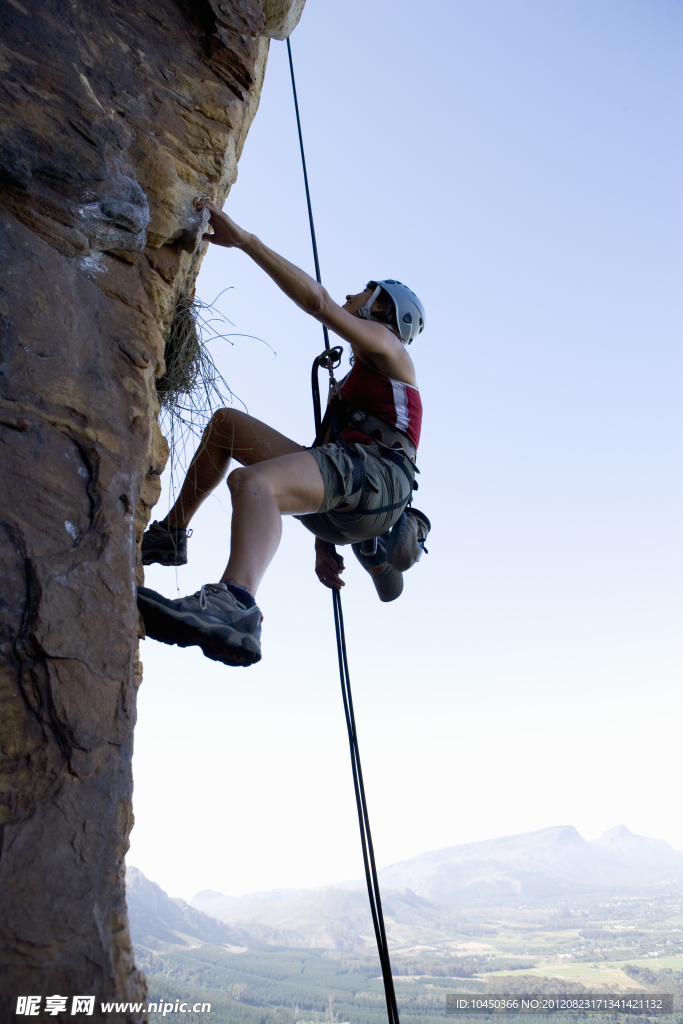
(377, 394)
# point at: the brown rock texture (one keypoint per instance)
(114, 117)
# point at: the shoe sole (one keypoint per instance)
(163, 560)
(162, 557)
(167, 629)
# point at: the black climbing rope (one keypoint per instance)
(327, 359)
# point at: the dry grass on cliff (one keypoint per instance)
(192, 387)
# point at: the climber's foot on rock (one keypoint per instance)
(164, 544)
(215, 619)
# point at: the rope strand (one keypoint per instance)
(308, 192)
(345, 679)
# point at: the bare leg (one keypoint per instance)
(231, 434)
(261, 495)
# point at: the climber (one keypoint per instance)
(347, 491)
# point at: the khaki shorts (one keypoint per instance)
(385, 484)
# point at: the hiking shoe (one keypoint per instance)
(388, 582)
(165, 544)
(407, 540)
(213, 619)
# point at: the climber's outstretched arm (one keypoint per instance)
(370, 337)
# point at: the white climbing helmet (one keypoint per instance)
(410, 313)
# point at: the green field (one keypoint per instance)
(633, 942)
(265, 987)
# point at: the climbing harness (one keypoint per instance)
(392, 445)
(330, 358)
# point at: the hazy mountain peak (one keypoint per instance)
(159, 921)
(639, 851)
(617, 830)
(534, 865)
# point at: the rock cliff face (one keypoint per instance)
(114, 117)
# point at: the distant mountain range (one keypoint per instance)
(423, 898)
(534, 866)
(160, 922)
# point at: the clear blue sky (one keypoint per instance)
(518, 164)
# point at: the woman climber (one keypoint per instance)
(350, 490)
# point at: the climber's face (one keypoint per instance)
(355, 302)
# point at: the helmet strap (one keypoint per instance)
(365, 312)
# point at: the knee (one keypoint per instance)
(225, 418)
(247, 479)
(237, 480)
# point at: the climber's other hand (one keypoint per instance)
(225, 231)
(328, 564)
